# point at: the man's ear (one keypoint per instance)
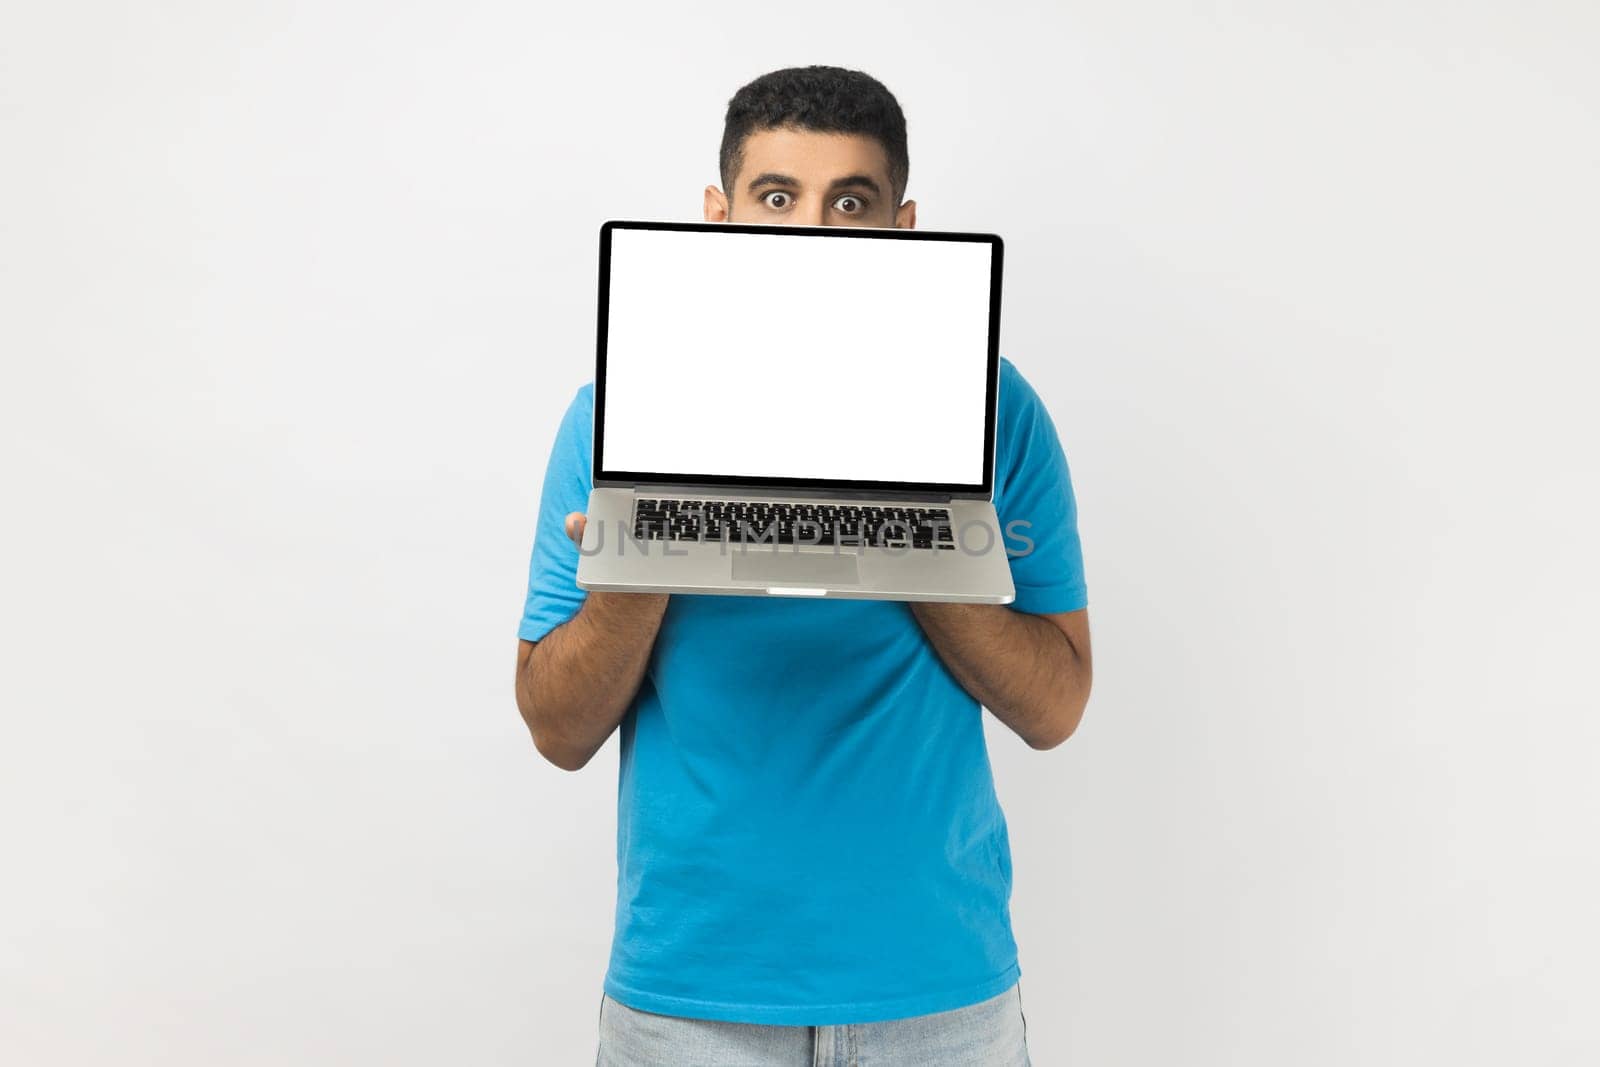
(905, 216)
(716, 205)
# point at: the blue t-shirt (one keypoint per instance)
(807, 826)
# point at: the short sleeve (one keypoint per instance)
(553, 593)
(1035, 502)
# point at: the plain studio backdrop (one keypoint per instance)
(295, 294)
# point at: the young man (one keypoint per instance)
(812, 862)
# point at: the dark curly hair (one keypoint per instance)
(825, 99)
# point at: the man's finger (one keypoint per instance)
(575, 524)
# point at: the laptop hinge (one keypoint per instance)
(655, 489)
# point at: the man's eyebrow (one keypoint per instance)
(854, 180)
(770, 178)
(860, 180)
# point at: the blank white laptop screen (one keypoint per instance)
(793, 356)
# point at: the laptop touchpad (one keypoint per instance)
(823, 568)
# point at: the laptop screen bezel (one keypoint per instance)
(984, 489)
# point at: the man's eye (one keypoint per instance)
(858, 205)
(767, 199)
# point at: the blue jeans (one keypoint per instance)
(991, 1033)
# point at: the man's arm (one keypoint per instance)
(575, 684)
(1032, 671)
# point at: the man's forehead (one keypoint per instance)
(813, 156)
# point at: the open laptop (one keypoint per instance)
(802, 411)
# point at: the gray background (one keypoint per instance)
(294, 295)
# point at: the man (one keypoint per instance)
(812, 862)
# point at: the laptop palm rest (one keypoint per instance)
(825, 568)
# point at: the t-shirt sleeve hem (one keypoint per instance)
(536, 629)
(1051, 601)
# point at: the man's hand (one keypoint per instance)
(576, 521)
(575, 684)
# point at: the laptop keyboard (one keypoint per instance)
(788, 523)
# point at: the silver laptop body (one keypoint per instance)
(796, 411)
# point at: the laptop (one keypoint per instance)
(796, 411)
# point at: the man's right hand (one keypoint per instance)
(576, 683)
(575, 524)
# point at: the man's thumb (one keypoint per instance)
(575, 525)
